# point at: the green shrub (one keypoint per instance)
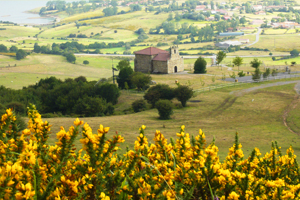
(86, 62)
(157, 92)
(165, 109)
(200, 66)
(183, 93)
(17, 107)
(139, 105)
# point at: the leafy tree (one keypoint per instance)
(124, 76)
(139, 105)
(123, 63)
(159, 91)
(183, 93)
(21, 54)
(243, 20)
(140, 31)
(294, 53)
(256, 75)
(36, 48)
(220, 56)
(255, 63)
(140, 80)
(165, 108)
(238, 61)
(267, 73)
(170, 18)
(3, 48)
(217, 17)
(241, 74)
(71, 58)
(13, 49)
(86, 62)
(200, 66)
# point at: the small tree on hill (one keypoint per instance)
(141, 80)
(183, 93)
(165, 109)
(294, 53)
(220, 56)
(122, 64)
(200, 66)
(255, 63)
(86, 62)
(71, 58)
(238, 61)
(157, 92)
(21, 54)
(124, 76)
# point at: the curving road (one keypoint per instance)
(257, 37)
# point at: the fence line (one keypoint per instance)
(209, 88)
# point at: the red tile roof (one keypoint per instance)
(151, 51)
(162, 57)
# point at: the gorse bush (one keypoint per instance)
(182, 169)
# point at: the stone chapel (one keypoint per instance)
(154, 60)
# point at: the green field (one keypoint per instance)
(217, 113)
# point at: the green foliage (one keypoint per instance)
(86, 62)
(183, 93)
(123, 63)
(267, 73)
(140, 80)
(124, 76)
(13, 49)
(232, 75)
(3, 48)
(241, 74)
(238, 61)
(165, 108)
(274, 72)
(139, 105)
(90, 106)
(21, 54)
(255, 63)
(71, 58)
(273, 58)
(294, 53)
(18, 107)
(220, 56)
(256, 75)
(157, 92)
(200, 66)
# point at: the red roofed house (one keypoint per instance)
(154, 60)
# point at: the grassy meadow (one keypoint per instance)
(256, 116)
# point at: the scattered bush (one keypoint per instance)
(140, 80)
(183, 93)
(165, 108)
(200, 66)
(139, 105)
(157, 92)
(86, 62)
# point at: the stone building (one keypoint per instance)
(154, 60)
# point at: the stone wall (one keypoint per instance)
(143, 63)
(160, 66)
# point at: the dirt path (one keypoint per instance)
(289, 108)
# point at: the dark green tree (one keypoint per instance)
(3, 48)
(183, 93)
(71, 58)
(255, 63)
(13, 49)
(200, 66)
(139, 105)
(21, 54)
(294, 53)
(123, 63)
(220, 56)
(165, 108)
(124, 76)
(140, 80)
(157, 92)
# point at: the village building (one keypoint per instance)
(257, 7)
(154, 60)
(200, 8)
(260, 13)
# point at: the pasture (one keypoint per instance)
(256, 116)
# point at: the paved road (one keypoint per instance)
(257, 37)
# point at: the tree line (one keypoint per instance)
(77, 97)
